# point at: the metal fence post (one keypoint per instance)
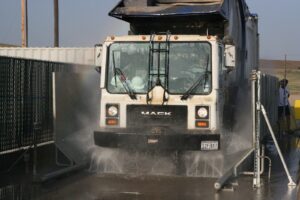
(257, 96)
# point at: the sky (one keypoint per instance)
(84, 23)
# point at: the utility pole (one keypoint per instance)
(56, 24)
(24, 23)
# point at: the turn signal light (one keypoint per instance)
(202, 124)
(112, 122)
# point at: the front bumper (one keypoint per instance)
(175, 141)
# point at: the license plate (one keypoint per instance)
(209, 145)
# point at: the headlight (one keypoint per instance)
(202, 112)
(112, 111)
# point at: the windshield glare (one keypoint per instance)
(188, 62)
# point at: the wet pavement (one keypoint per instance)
(93, 186)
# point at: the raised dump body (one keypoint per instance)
(179, 17)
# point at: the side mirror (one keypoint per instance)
(98, 69)
(98, 54)
(98, 51)
(230, 57)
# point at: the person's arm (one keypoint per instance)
(288, 92)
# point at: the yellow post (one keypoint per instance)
(297, 109)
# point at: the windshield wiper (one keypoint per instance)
(118, 72)
(188, 93)
(125, 83)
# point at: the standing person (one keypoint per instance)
(284, 106)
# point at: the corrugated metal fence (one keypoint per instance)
(269, 98)
(26, 101)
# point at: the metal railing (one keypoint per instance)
(266, 93)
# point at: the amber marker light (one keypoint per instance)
(202, 124)
(112, 122)
(160, 37)
(143, 37)
(112, 37)
(176, 37)
(208, 37)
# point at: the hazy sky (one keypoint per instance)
(85, 23)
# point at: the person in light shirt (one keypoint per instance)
(283, 103)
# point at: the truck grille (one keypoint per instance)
(148, 116)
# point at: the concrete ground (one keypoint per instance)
(91, 186)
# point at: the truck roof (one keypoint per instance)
(179, 16)
(128, 13)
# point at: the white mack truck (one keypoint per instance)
(172, 82)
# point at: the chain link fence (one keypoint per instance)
(26, 101)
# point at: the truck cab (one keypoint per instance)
(163, 91)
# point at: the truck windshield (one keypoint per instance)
(189, 67)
